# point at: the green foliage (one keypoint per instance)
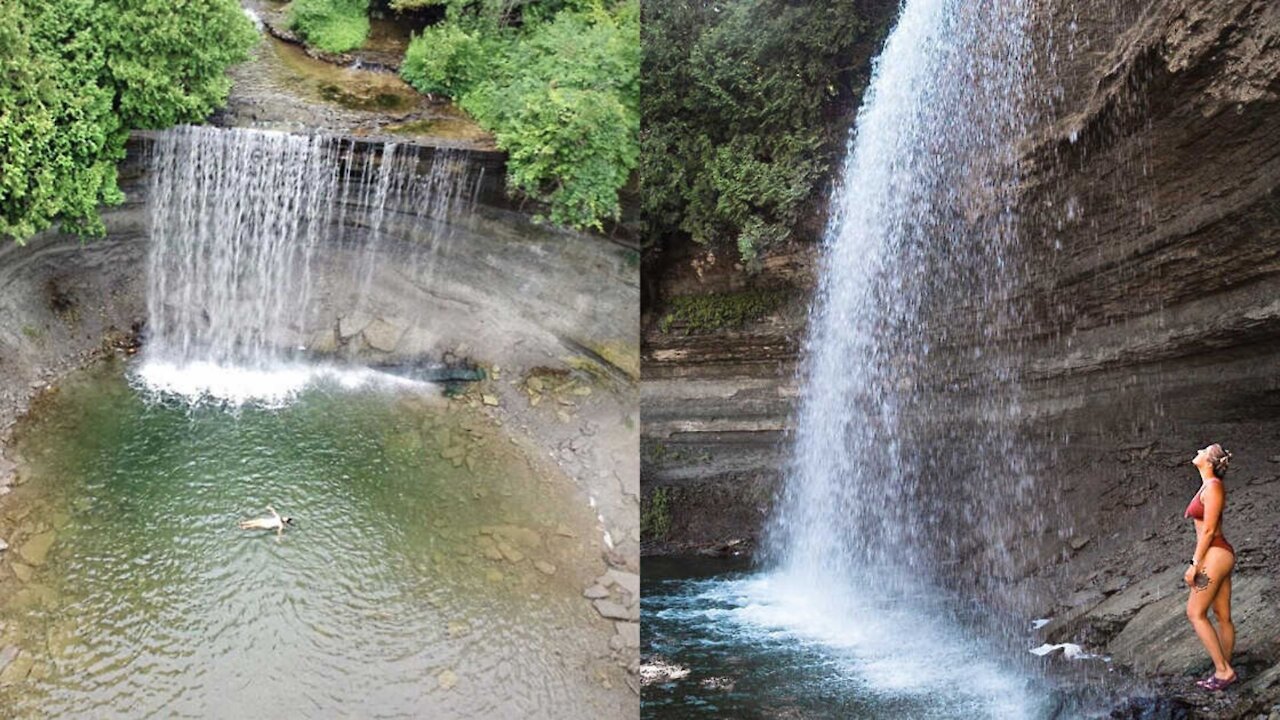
(735, 114)
(655, 516)
(332, 25)
(446, 59)
(559, 92)
(706, 313)
(77, 75)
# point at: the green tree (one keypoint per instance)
(77, 75)
(556, 83)
(737, 114)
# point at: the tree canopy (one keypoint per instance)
(737, 99)
(555, 82)
(77, 75)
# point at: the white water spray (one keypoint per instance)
(904, 468)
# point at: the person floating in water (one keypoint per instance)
(1209, 575)
(275, 522)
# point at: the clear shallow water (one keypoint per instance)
(755, 649)
(391, 598)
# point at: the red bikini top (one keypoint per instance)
(1195, 510)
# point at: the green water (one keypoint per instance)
(391, 598)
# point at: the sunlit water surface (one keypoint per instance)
(407, 589)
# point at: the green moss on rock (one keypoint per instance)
(719, 311)
(655, 515)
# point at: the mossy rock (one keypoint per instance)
(719, 311)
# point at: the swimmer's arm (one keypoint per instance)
(273, 512)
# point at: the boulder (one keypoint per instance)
(350, 325)
(383, 335)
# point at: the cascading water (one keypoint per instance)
(914, 296)
(237, 217)
(906, 474)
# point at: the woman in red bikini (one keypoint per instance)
(1209, 575)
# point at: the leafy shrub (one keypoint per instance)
(332, 25)
(77, 75)
(715, 311)
(445, 59)
(655, 517)
(559, 93)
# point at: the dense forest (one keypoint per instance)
(745, 111)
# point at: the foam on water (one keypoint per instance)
(276, 386)
(899, 651)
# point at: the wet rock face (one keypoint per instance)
(1152, 257)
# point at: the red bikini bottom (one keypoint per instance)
(1219, 541)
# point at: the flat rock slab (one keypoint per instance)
(1163, 624)
(625, 580)
(629, 632)
(614, 611)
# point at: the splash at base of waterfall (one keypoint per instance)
(766, 645)
(271, 387)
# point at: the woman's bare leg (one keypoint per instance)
(1222, 612)
(1217, 564)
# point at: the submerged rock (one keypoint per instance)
(17, 670)
(36, 549)
(23, 572)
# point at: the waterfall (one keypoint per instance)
(239, 218)
(905, 469)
